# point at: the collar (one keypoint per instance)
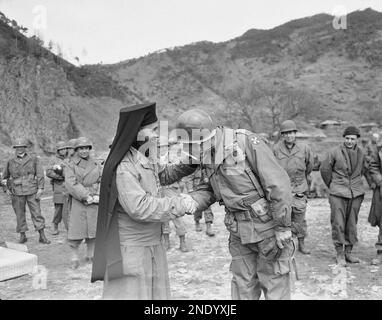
(77, 159)
(284, 149)
(346, 148)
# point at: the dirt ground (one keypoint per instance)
(203, 273)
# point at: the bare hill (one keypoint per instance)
(45, 98)
(304, 69)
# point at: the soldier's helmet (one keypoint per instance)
(83, 142)
(20, 143)
(288, 126)
(71, 143)
(61, 145)
(197, 124)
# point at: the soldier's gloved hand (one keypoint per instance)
(95, 199)
(38, 194)
(282, 237)
(4, 182)
(190, 204)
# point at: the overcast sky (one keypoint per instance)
(110, 31)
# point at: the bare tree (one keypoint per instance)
(265, 106)
(243, 101)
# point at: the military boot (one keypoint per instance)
(23, 237)
(301, 246)
(348, 255)
(166, 238)
(340, 259)
(182, 244)
(55, 229)
(378, 259)
(198, 227)
(43, 239)
(209, 231)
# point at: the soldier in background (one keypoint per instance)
(198, 177)
(70, 148)
(168, 155)
(375, 214)
(297, 160)
(25, 184)
(370, 150)
(342, 172)
(82, 181)
(55, 172)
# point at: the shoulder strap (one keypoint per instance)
(255, 181)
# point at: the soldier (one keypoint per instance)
(25, 184)
(342, 172)
(70, 148)
(82, 180)
(199, 176)
(244, 175)
(375, 214)
(297, 159)
(370, 152)
(55, 172)
(167, 157)
(129, 254)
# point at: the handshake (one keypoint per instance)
(57, 168)
(190, 204)
(92, 199)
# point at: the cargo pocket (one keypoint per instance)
(282, 265)
(132, 259)
(269, 249)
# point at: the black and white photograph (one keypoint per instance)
(195, 151)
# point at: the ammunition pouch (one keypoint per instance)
(253, 224)
(258, 208)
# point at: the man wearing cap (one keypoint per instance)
(82, 181)
(297, 160)
(342, 171)
(55, 172)
(244, 175)
(25, 184)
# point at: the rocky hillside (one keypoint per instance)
(46, 99)
(304, 69)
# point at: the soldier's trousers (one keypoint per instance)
(180, 228)
(208, 215)
(259, 267)
(57, 217)
(344, 218)
(19, 206)
(61, 213)
(299, 226)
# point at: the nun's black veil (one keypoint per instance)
(107, 247)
